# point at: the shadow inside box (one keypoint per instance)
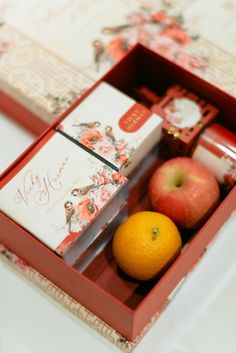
(105, 273)
(146, 79)
(103, 269)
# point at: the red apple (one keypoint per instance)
(184, 190)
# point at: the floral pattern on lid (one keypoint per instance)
(158, 30)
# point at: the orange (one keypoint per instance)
(145, 244)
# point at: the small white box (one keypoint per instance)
(62, 194)
(113, 127)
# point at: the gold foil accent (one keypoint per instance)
(171, 131)
(176, 135)
(201, 123)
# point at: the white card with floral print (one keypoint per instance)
(57, 191)
(113, 126)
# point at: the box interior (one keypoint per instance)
(143, 67)
(149, 70)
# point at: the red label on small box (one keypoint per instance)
(134, 119)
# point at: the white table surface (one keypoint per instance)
(200, 319)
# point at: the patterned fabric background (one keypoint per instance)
(51, 52)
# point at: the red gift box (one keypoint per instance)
(124, 304)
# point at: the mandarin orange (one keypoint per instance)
(145, 244)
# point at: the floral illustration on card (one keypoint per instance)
(183, 112)
(102, 140)
(85, 202)
(159, 31)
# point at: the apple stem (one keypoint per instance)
(155, 232)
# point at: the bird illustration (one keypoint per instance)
(109, 133)
(69, 211)
(99, 51)
(116, 29)
(82, 191)
(89, 125)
